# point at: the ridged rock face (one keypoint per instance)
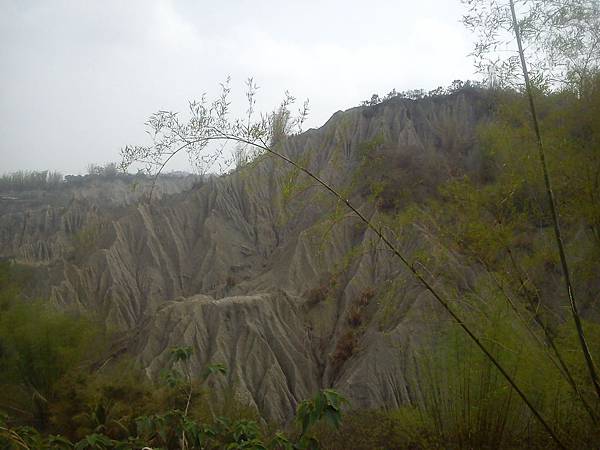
(43, 226)
(262, 270)
(262, 339)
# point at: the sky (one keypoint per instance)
(79, 78)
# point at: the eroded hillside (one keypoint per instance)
(260, 269)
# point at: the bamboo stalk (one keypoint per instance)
(552, 202)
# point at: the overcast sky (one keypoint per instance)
(79, 78)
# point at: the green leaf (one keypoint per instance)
(213, 369)
(59, 442)
(181, 353)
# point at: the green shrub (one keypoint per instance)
(38, 346)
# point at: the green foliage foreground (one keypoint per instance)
(174, 429)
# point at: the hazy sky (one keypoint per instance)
(79, 78)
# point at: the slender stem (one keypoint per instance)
(188, 374)
(549, 193)
(561, 365)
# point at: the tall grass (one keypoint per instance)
(467, 403)
(462, 402)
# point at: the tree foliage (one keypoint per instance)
(561, 40)
(203, 136)
(38, 346)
